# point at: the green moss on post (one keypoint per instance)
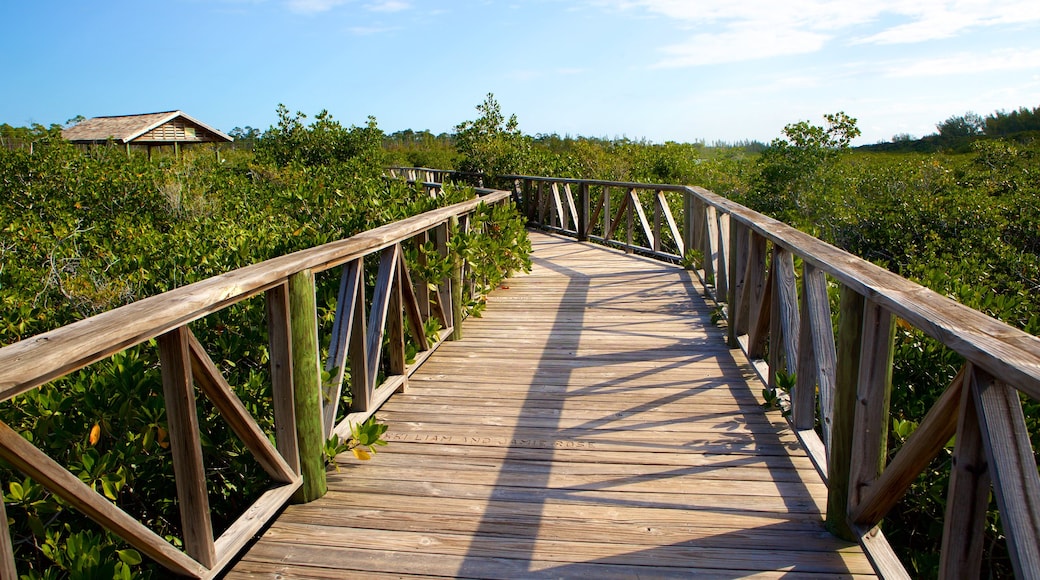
(307, 386)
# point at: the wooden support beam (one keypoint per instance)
(209, 380)
(680, 243)
(1016, 483)
(411, 306)
(967, 497)
(572, 211)
(350, 284)
(846, 375)
(186, 446)
(873, 393)
(307, 386)
(280, 348)
(722, 273)
(36, 464)
(938, 426)
(737, 273)
(381, 299)
(8, 569)
(584, 223)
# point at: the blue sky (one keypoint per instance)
(680, 70)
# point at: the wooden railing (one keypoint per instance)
(304, 409)
(839, 404)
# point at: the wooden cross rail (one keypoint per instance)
(305, 411)
(839, 406)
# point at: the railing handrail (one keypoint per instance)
(304, 407)
(30, 363)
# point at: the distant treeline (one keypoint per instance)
(958, 132)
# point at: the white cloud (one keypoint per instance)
(371, 30)
(967, 64)
(313, 6)
(740, 44)
(388, 6)
(752, 29)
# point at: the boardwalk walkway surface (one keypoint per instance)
(593, 424)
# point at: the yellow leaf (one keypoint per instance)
(95, 434)
(361, 454)
(161, 437)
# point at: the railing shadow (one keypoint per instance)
(529, 476)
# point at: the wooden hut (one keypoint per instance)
(170, 128)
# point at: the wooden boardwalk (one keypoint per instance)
(593, 424)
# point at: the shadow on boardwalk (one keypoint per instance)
(591, 424)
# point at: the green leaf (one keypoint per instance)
(130, 556)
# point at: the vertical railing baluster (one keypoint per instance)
(8, 568)
(280, 352)
(186, 446)
(873, 392)
(657, 221)
(846, 378)
(722, 271)
(737, 273)
(583, 212)
(710, 239)
(967, 497)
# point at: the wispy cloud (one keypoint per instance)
(314, 6)
(388, 6)
(737, 31)
(967, 63)
(372, 30)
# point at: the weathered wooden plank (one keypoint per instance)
(849, 349)
(208, 378)
(824, 349)
(1016, 483)
(411, 304)
(994, 346)
(873, 392)
(573, 211)
(614, 416)
(8, 569)
(307, 385)
(186, 446)
(37, 465)
(380, 312)
(244, 529)
(967, 498)
(935, 430)
(342, 330)
(37, 360)
(280, 346)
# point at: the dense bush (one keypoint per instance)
(86, 231)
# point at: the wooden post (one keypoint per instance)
(307, 386)
(631, 220)
(658, 210)
(7, 563)
(583, 212)
(850, 332)
(873, 392)
(280, 345)
(738, 243)
(456, 287)
(186, 446)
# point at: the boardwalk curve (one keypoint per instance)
(592, 423)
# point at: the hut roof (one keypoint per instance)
(148, 128)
